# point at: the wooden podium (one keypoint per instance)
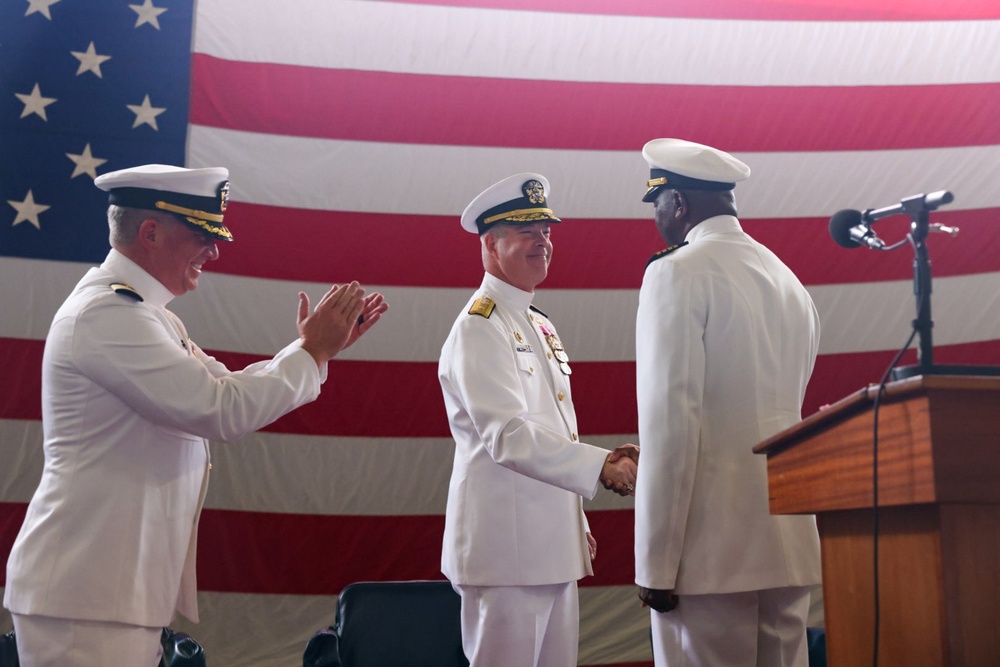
(939, 519)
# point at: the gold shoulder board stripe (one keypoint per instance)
(126, 290)
(483, 306)
(666, 251)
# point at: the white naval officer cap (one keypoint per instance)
(198, 197)
(684, 165)
(520, 199)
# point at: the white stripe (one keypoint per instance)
(21, 448)
(613, 627)
(425, 39)
(328, 174)
(301, 474)
(865, 317)
(274, 629)
(415, 327)
(252, 630)
(324, 475)
(257, 316)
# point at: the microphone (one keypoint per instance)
(849, 230)
(909, 205)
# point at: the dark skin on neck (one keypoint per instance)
(677, 212)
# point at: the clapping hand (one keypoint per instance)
(371, 312)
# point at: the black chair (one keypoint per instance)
(816, 640)
(392, 624)
(8, 650)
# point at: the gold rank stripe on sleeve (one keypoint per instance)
(483, 306)
(665, 252)
(126, 290)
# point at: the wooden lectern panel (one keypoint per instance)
(939, 519)
(939, 441)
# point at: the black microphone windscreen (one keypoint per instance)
(841, 224)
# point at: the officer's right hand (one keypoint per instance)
(326, 330)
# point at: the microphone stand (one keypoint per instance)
(919, 214)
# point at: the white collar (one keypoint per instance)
(719, 224)
(136, 277)
(506, 292)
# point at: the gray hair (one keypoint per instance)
(497, 231)
(124, 224)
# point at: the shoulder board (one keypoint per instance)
(538, 311)
(484, 306)
(665, 252)
(126, 290)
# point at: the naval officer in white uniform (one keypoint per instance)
(107, 550)
(516, 539)
(726, 339)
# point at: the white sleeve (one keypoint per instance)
(123, 347)
(484, 377)
(670, 378)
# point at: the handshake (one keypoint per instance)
(620, 468)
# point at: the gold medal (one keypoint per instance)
(558, 351)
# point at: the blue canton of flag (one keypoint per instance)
(86, 87)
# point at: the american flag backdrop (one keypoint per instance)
(356, 132)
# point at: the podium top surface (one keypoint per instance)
(864, 398)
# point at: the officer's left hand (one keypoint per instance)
(661, 600)
(374, 306)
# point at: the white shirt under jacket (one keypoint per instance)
(726, 339)
(128, 403)
(515, 509)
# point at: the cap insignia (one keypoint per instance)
(533, 191)
(224, 196)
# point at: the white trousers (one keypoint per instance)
(521, 626)
(43, 641)
(753, 629)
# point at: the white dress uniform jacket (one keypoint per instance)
(726, 339)
(128, 403)
(515, 512)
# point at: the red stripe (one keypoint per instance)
(476, 111)
(436, 252)
(774, 10)
(353, 402)
(308, 554)
(838, 375)
(11, 518)
(254, 552)
(419, 250)
(21, 394)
